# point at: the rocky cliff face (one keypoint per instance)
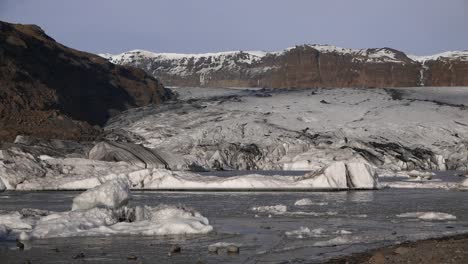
(302, 66)
(51, 91)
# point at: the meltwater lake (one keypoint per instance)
(268, 227)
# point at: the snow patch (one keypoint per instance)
(461, 55)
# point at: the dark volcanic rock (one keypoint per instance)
(52, 91)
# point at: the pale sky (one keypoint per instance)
(420, 27)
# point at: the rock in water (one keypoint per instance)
(131, 153)
(132, 257)
(233, 249)
(111, 194)
(174, 249)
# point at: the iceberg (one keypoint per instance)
(339, 175)
(111, 194)
(307, 202)
(102, 211)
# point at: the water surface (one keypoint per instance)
(370, 216)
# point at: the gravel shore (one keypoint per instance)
(452, 249)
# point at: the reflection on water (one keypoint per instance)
(360, 196)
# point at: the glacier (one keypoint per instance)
(341, 138)
(398, 129)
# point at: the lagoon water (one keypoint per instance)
(336, 223)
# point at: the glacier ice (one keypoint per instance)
(101, 212)
(292, 130)
(111, 194)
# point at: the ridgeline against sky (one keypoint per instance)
(418, 26)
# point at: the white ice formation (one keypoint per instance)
(99, 212)
(111, 194)
(428, 216)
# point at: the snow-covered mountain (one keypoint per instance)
(302, 66)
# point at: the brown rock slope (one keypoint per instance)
(52, 91)
(431, 251)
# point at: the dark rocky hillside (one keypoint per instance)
(52, 91)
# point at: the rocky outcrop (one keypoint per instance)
(52, 91)
(302, 66)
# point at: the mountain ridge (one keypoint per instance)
(302, 66)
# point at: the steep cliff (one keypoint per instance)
(301, 66)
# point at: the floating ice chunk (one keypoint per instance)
(428, 216)
(74, 223)
(420, 184)
(273, 209)
(15, 220)
(360, 216)
(224, 244)
(329, 213)
(306, 232)
(333, 177)
(303, 202)
(144, 220)
(163, 220)
(281, 209)
(343, 232)
(307, 201)
(334, 242)
(111, 194)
